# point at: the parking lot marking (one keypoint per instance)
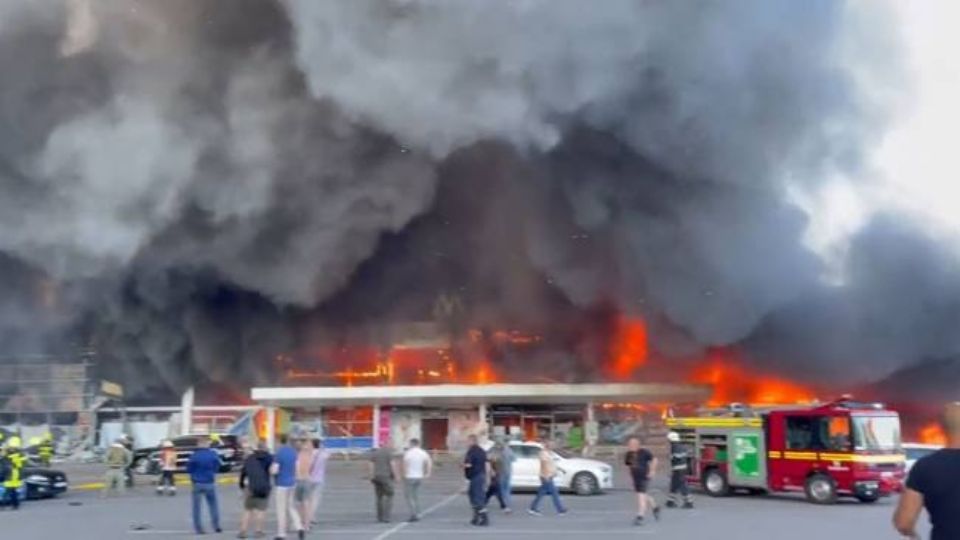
(542, 533)
(400, 526)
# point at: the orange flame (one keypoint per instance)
(933, 433)
(629, 349)
(734, 383)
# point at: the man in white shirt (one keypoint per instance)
(417, 466)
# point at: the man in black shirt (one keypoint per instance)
(934, 483)
(475, 467)
(641, 464)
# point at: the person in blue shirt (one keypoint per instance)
(284, 469)
(203, 467)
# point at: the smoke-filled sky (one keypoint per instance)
(194, 186)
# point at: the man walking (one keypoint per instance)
(548, 470)
(255, 484)
(679, 460)
(476, 469)
(284, 469)
(641, 464)
(495, 489)
(417, 466)
(168, 466)
(303, 492)
(933, 484)
(506, 475)
(382, 470)
(118, 459)
(203, 466)
(318, 475)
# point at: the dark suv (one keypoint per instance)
(147, 460)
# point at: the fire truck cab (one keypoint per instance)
(842, 448)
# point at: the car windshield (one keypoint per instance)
(565, 454)
(876, 432)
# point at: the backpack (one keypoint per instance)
(116, 457)
(258, 481)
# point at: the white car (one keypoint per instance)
(916, 451)
(582, 476)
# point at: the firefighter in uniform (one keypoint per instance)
(45, 449)
(679, 466)
(13, 482)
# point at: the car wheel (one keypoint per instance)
(821, 489)
(142, 466)
(585, 483)
(715, 483)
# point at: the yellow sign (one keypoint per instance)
(111, 389)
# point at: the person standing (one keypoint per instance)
(382, 469)
(506, 475)
(168, 466)
(45, 449)
(641, 464)
(548, 471)
(933, 484)
(679, 466)
(118, 459)
(255, 484)
(127, 441)
(318, 473)
(203, 466)
(417, 466)
(476, 469)
(284, 469)
(13, 477)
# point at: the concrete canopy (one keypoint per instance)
(453, 395)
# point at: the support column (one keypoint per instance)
(186, 412)
(376, 425)
(483, 430)
(271, 431)
(591, 431)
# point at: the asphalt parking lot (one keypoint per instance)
(348, 513)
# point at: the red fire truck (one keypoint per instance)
(842, 448)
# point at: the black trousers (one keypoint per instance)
(679, 487)
(12, 497)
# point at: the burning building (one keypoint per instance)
(256, 193)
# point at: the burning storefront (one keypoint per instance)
(443, 415)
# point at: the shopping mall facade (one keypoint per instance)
(356, 418)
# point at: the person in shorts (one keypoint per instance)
(641, 464)
(255, 484)
(303, 491)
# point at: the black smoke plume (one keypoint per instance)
(204, 184)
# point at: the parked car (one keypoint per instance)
(147, 460)
(44, 483)
(580, 475)
(916, 451)
(39, 483)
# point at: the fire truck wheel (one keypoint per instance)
(821, 489)
(585, 484)
(715, 483)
